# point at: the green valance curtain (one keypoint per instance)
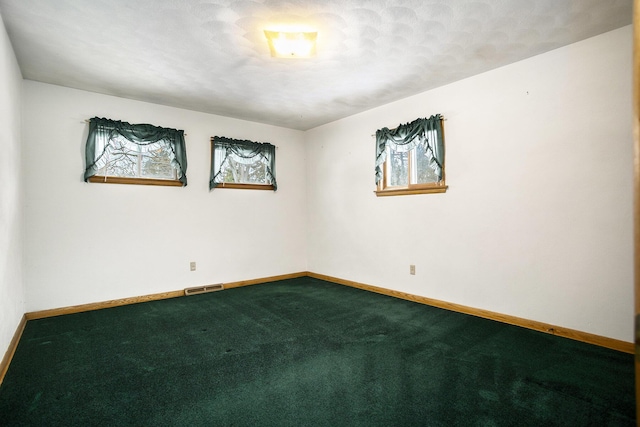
(140, 137)
(407, 136)
(243, 152)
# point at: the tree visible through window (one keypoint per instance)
(233, 171)
(242, 164)
(135, 154)
(136, 161)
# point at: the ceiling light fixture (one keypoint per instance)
(292, 44)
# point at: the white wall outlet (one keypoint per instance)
(192, 266)
(412, 270)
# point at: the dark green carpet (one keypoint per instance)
(304, 352)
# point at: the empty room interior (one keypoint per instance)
(533, 226)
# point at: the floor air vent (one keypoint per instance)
(203, 289)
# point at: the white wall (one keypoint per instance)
(11, 282)
(537, 221)
(96, 242)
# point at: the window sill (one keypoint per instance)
(244, 186)
(137, 181)
(409, 191)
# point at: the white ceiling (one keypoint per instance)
(212, 56)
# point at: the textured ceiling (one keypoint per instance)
(212, 56)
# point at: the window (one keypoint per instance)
(242, 164)
(410, 158)
(122, 153)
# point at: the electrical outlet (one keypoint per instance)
(412, 270)
(192, 266)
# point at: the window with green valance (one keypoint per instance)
(242, 164)
(121, 152)
(410, 158)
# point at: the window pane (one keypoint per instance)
(156, 163)
(422, 173)
(240, 173)
(228, 172)
(122, 163)
(397, 168)
(125, 159)
(256, 173)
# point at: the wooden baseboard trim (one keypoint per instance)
(13, 345)
(265, 280)
(626, 347)
(614, 344)
(146, 298)
(33, 315)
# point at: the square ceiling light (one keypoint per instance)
(292, 44)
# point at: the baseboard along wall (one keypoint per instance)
(6, 360)
(146, 298)
(614, 344)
